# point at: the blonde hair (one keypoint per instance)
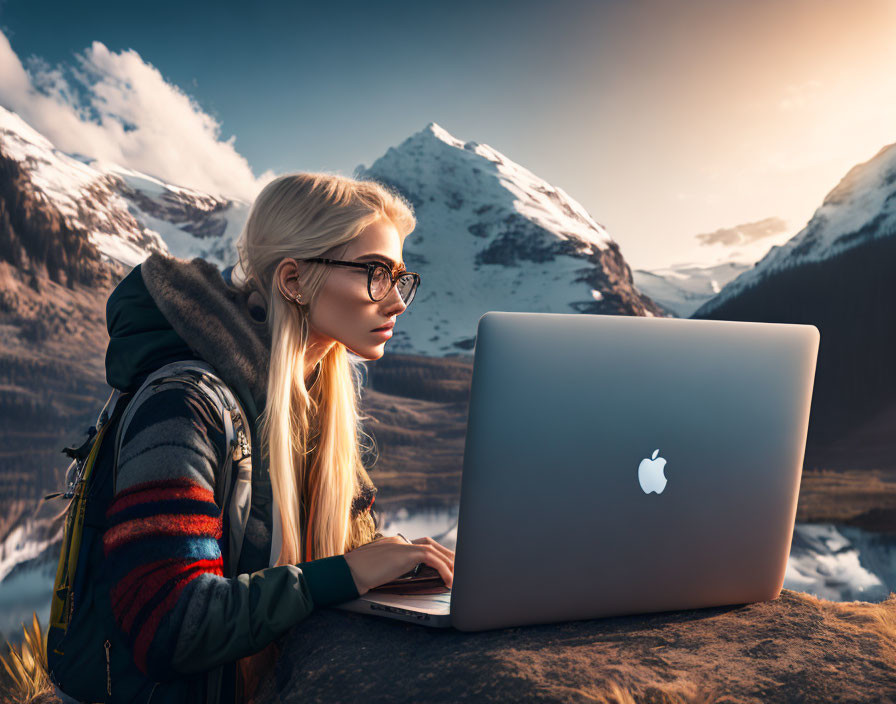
(312, 439)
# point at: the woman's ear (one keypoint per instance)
(287, 278)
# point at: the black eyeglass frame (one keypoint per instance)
(371, 268)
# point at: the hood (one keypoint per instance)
(168, 309)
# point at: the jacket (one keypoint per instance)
(177, 610)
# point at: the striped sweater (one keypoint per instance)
(163, 546)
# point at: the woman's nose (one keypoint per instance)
(395, 299)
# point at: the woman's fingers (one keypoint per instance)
(441, 548)
(398, 557)
(434, 558)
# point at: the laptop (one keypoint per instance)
(618, 465)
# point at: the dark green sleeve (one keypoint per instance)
(255, 609)
(329, 580)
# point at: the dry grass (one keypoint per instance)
(661, 694)
(876, 617)
(613, 692)
(24, 679)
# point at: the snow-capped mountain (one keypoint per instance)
(860, 209)
(837, 274)
(126, 215)
(683, 289)
(491, 235)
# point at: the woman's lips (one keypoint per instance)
(385, 332)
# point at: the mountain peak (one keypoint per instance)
(434, 131)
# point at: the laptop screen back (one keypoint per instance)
(618, 465)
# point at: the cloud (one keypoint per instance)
(744, 234)
(800, 96)
(117, 107)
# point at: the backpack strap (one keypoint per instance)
(78, 489)
(233, 489)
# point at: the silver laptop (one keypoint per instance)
(621, 465)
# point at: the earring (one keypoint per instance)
(295, 298)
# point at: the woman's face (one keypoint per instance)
(342, 310)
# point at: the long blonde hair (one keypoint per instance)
(312, 439)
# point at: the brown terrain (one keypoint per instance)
(862, 498)
(52, 382)
(795, 648)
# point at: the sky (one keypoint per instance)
(695, 131)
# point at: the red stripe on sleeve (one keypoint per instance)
(168, 491)
(172, 524)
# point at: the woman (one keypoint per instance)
(319, 269)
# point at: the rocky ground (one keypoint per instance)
(795, 648)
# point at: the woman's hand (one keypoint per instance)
(385, 559)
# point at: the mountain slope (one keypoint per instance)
(858, 211)
(491, 235)
(124, 215)
(838, 274)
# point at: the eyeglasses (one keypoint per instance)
(379, 279)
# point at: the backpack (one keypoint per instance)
(87, 657)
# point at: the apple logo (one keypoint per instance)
(650, 474)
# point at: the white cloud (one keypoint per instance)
(744, 233)
(801, 96)
(117, 107)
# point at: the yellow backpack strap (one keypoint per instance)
(78, 478)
